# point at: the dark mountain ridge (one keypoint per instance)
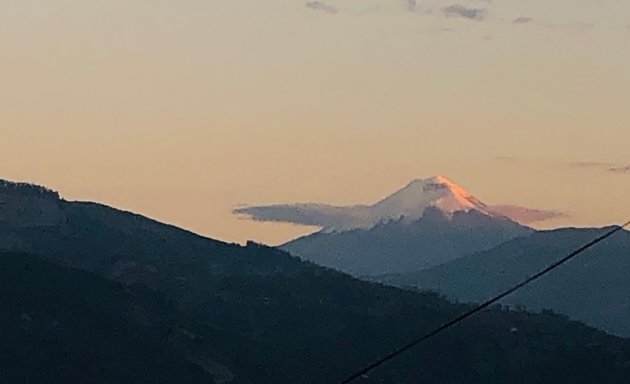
(594, 288)
(278, 319)
(62, 325)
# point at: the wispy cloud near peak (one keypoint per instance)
(523, 20)
(323, 7)
(458, 10)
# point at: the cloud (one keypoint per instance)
(620, 169)
(332, 218)
(507, 158)
(523, 20)
(590, 164)
(323, 7)
(320, 215)
(525, 215)
(458, 10)
(616, 168)
(412, 5)
(602, 166)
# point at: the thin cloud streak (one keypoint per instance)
(319, 215)
(525, 215)
(458, 10)
(411, 5)
(620, 169)
(615, 168)
(327, 216)
(323, 7)
(523, 20)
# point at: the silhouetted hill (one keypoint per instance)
(60, 325)
(277, 319)
(593, 288)
(401, 246)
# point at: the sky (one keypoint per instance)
(183, 110)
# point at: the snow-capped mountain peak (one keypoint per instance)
(439, 192)
(407, 205)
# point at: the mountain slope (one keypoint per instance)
(427, 223)
(59, 325)
(594, 288)
(294, 322)
(398, 247)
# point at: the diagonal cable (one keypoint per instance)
(482, 306)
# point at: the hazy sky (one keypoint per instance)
(183, 109)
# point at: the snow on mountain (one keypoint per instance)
(411, 201)
(407, 205)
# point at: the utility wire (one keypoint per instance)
(482, 306)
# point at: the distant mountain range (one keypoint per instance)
(155, 300)
(446, 240)
(593, 288)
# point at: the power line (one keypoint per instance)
(482, 306)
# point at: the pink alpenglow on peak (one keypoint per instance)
(439, 191)
(407, 205)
